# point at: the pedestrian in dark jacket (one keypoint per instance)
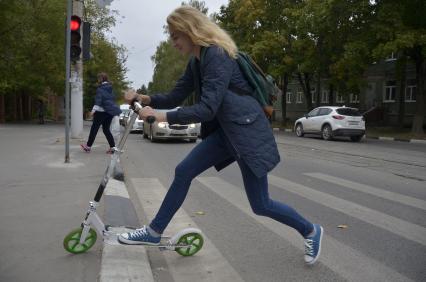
(234, 129)
(103, 112)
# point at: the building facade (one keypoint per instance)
(378, 99)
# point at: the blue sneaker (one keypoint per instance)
(140, 236)
(313, 245)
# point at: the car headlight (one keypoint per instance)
(192, 125)
(162, 124)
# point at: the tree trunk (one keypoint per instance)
(417, 127)
(2, 109)
(331, 95)
(401, 66)
(284, 87)
(318, 91)
(304, 83)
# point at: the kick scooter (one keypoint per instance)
(186, 242)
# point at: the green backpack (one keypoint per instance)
(265, 90)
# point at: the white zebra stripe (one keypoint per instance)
(206, 264)
(392, 224)
(388, 195)
(342, 259)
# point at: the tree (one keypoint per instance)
(143, 90)
(401, 27)
(169, 63)
(32, 53)
(261, 28)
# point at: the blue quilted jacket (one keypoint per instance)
(105, 98)
(240, 116)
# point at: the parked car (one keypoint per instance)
(137, 126)
(163, 130)
(125, 112)
(332, 121)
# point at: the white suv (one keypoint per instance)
(332, 121)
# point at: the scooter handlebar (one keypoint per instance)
(137, 106)
(150, 119)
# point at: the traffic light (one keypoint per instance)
(86, 41)
(75, 49)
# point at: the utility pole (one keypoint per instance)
(67, 80)
(77, 85)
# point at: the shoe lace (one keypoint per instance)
(309, 247)
(140, 232)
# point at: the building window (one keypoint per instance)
(288, 100)
(324, 97)
(391, 57)
(299, 97)
(354, 98)
(339, 98)
(313, 94)
(390, 91)
(410, 91)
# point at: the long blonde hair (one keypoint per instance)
(200, 29)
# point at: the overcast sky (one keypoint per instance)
(140, 29)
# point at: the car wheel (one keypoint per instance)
(299, 130)
(192, 140)
(151, 135)
(145, 136)
(327, 133)
(356, 138)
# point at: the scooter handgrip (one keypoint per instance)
(150, 119)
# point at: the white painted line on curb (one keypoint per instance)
(124, 262)
(387, 138)
(116, 188)
(207, 265)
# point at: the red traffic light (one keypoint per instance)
(75, 23)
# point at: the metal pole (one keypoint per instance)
(76, 95)
(67, 83)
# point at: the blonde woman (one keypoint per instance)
(234, 128)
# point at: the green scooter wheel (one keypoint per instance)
(193, 243)
(72, 241)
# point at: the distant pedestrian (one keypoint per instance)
(103, 112)
(234, 128)
(40, 111)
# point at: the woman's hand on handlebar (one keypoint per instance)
(131, 95)
(147, 111)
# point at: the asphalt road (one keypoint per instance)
(369, 196)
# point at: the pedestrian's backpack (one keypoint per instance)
(265, 90)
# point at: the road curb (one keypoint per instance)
(385, 138)
(122, 262)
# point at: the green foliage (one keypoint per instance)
(169, 63)
(32, 49)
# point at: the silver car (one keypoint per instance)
(163, 130)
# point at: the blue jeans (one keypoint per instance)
(211, 151)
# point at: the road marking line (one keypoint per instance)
(342, 259)
(207, 265)
(388, 195)
(392, 224)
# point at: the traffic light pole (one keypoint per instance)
(67, 81)
(77, 86)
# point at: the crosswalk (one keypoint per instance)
(346, 261)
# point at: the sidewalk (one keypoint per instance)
(43, 194)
